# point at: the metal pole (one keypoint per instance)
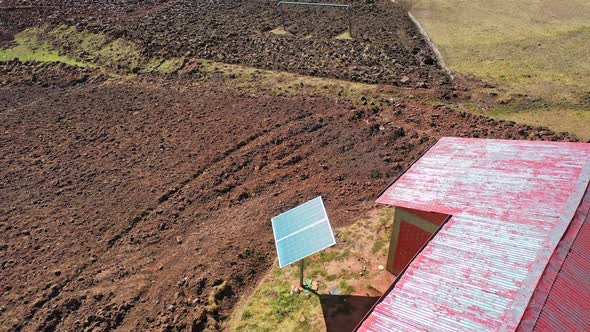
(349, 23)
(282, 14)
(301, 273)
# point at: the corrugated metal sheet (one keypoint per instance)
(511, 203)
(553, 268)
(568, 305)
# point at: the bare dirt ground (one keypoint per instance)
(131, 203)
(387, 47)
(124, 203)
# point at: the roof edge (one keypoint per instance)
(398, 277)
(405, 170)
(537, 302)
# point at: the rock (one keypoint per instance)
(199, 319)
(404, 79)
(296, 289)
(200, 313)
(179, 240)
(428, 60)
(315, 286)
(212, 325)
(212, 308)
(335, 290)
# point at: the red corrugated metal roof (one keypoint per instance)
(568, 305)
(511, 203)
(554, 268)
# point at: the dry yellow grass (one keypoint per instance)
(533, 49)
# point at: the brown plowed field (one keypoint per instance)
(387, 47)
(124, 202)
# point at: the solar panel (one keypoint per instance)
(302, 231)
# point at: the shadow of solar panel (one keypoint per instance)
(302, 231)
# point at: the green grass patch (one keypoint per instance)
(385, 218)
(280, 31)
(346, 288)
(344, 36)
(28, 47)
(574, 120)
(289, 84)
(170, 66)
(123, 53)
(85, 45)
(536, 49)
(317, 272)
(378, 245)
(277, 272)
(348, 266)
(273, 305)
(69, 45)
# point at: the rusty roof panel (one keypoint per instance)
(511, 202)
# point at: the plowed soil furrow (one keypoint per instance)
(123, 203)
(386, 46)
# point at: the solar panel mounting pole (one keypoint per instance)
(301, 273)
(301, 232)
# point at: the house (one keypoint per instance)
(489, 235)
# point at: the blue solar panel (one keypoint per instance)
(302, 231)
